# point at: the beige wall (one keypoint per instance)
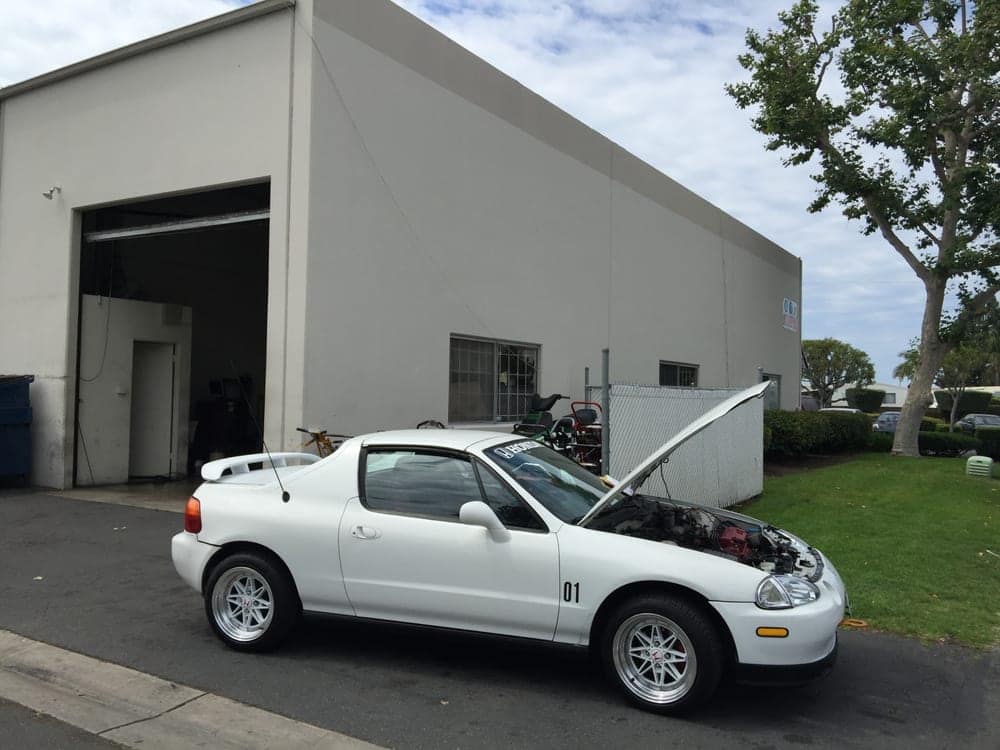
(108, 330)
(433, 214)
(208, 111)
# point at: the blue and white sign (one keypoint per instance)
(790, 310)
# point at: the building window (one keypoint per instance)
(491, 381)
(889, 400)
(675, 373)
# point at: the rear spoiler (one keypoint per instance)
(213, 470)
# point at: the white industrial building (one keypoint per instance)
(331, 211)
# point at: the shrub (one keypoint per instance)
(930, 424)
(845, 432)
(793, 433)
(990, 439)
(946, 443)
(970, 402)
(880, 442)
(790, 434)
(866, 399)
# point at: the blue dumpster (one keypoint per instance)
(15, 425)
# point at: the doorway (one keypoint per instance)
(151, 432)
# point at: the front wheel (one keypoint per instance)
(250, 602)
(664, 653)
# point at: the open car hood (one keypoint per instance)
(638, 475)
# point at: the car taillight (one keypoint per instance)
(192, 515)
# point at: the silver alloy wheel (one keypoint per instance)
(242, 604)
(654, 658)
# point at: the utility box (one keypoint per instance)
(15, 425)
(979, 466)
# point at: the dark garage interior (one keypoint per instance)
(206, 251)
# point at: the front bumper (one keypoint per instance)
(812, 628)
(190, 557)
(795, 674)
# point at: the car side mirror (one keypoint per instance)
(478, 513)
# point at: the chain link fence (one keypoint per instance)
(720, 466)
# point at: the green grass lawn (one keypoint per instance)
(909, 537)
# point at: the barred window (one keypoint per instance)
(676, 373)
(491, 381)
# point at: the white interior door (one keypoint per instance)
(151, 435)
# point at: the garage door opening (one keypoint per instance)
(172, 335)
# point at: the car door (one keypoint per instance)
(407, 557)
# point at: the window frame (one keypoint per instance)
(678, 366)
(444, 453)
(496, 343)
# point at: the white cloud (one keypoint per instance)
(647, 73)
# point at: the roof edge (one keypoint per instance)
(261, 8)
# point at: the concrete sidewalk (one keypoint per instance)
(139, 710)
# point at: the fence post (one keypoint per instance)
(606, 409)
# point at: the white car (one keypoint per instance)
(498, 534)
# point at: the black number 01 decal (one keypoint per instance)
(571, 592)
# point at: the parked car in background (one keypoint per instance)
(972, 422)
(499, 534)
(840, 410)
(886, 422)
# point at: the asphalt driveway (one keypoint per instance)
(97, 579)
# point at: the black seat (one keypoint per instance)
(544, 404)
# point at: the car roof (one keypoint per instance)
(449, 439)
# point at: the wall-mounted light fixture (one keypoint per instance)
(51, 191)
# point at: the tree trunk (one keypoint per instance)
(956, 394)
(918, 397)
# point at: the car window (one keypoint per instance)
(510, 509)
(989, 420)
(418, 483)
(565, 488)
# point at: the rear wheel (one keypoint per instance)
(250, 602)
(664, 652)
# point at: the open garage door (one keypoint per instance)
(172, 340)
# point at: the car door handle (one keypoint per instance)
(365, 532)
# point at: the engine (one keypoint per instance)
(710, 530)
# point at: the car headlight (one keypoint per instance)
(785, 591)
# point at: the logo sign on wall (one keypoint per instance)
(790, 310)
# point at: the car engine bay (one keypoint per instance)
(711, 530)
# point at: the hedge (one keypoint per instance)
(970, 402)
(990, 438)
(946, 443)
(796, 433)
(866, 399)
(930, 424)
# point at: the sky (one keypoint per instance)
(649, 74)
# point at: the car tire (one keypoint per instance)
(250, 601)
(664, 652)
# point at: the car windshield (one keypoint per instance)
(565, 488)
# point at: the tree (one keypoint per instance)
(961, 367)
(831, 364)
(906, 142)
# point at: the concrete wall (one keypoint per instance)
(208, 111)
(447, 199)
(109, 328)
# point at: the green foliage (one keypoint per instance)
(831, 364)
(866, 399)
(799, 433)
(880, 442)
(970, 402)
(908, 536)
(930, 424)
(990, 439)
(946, 443)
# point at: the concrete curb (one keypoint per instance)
(139, 710)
